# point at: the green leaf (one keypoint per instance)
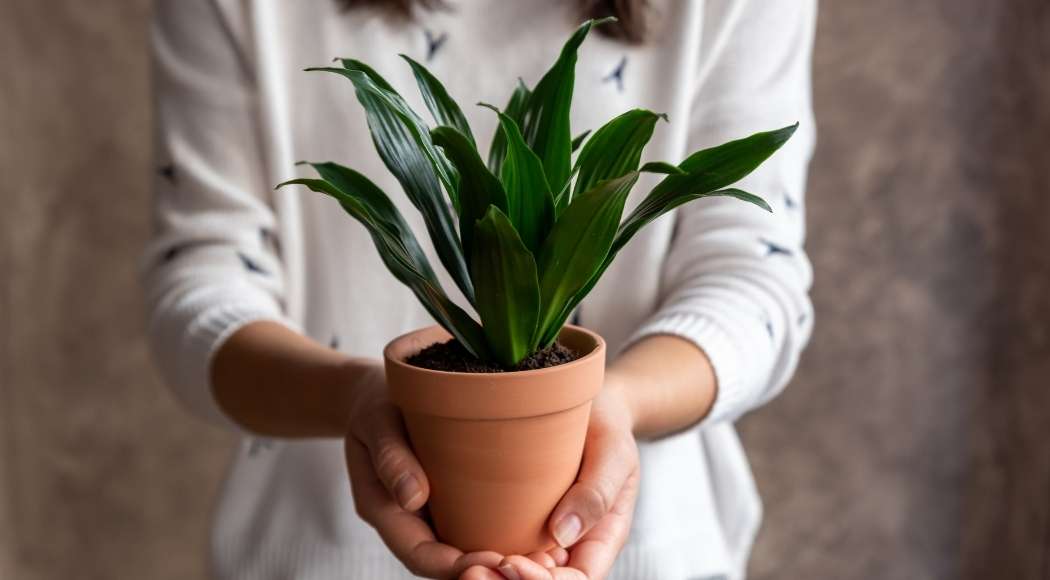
(734, 160)
(507, 286)
(478, 187)
(380, 208)
(707, 171)
(529, 200)
(546, 121)
(578, 140)
(399, 251)
(576, 247)
(662, 167)
(441, 105)
(352, 64)
(515, 109)
(404, 144)
(441, 165)
(614, 150)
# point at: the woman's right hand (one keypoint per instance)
(390, 488)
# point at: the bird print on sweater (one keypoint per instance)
(617, 74)
(434, 42)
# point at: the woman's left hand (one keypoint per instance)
(594, 517)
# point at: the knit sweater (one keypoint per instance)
(233, 114)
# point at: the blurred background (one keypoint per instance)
(913, 443)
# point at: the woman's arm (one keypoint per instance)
(274, 381)
(213, 263)
(665, 381)
(215, 287)
(270, 379)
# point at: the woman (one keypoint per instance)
(268, 309)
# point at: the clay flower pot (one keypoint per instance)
(499, 449)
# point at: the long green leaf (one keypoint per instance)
(398, 250)
(353, 64)
(529, 198)
(614, 150)
(404, 144)
(444, 169)
(707, 171)
(478, 187)
(515, 109)
(621, 241)
(576, 247)
(662, 167)
(546, 120)
(442, 106)
(381, 209)
(507, 286)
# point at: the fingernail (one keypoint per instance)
(509, 572)
(406, 489)
(567, 530)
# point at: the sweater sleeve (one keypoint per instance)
(736, 279)
(212, 264)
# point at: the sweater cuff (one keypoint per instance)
(206, 334)
(203, 337)
(723, 350)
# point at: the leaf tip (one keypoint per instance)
(760, 202)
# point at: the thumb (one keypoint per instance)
(608, 460)
(392, 459)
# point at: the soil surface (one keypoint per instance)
(451, 356)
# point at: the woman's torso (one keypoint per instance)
(286, 510)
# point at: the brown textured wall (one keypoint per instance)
(105, 477)
(911, 445)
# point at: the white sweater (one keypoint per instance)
(234, 112)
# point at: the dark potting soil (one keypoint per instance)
(451, 356)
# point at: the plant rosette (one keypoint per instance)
(525, 235)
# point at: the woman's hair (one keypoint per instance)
(630, 14)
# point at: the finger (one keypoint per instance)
(522, 568)
(486, 560)
(560, 555)
(480, 573)
(392, 458)
(608, 460)
(407, 536)
(595, 554)
(543, 559)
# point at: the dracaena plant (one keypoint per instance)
(526, 233)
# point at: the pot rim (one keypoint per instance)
(599, 346)
(504, 395)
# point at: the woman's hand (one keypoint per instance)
(389, 486)
(594, 517)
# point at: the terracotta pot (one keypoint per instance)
(499, 449)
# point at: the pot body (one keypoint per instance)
(499, 449)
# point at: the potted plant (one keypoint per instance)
(497, 407)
